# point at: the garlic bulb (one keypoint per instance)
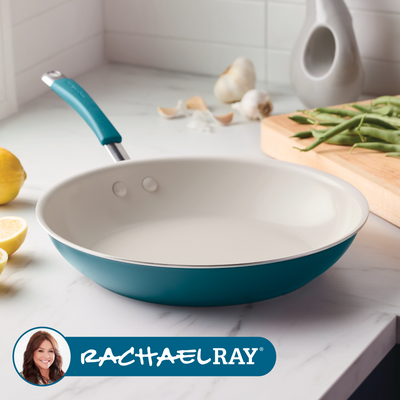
(255, 104)
(238, 79)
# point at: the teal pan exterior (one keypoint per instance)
(208, 286)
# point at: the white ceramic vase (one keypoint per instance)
(325, 65)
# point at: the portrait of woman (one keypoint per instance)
(42, 360)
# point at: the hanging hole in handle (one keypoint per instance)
(50, 77)
(320, 52)
(54, 74)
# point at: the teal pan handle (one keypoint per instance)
(83, 104)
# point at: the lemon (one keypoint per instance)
(12, 233)
(3, 259)
(12, 176)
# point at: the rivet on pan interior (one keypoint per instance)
(149, 184)
(119, 189)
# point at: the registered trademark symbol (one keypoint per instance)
(261, 348)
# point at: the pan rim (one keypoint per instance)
(349, 189)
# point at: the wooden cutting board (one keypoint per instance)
(374, 174)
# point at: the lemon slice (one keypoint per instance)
(12, 233)
(3, 259)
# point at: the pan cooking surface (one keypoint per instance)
(210, 212)
(202, 241)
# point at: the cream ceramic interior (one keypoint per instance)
(203, 211)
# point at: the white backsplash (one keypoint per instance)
(186, 35)
(202, 37)
(54, 34)
(8, 101)
(206, 36)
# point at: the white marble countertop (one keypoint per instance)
(328, 335)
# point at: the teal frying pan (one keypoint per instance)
(198, 231)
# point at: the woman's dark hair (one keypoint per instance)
(30, 371)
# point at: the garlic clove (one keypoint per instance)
(167, 112)
(222, 119)
(255, 104)
(170, 112)
(238, 79)
(196, 103)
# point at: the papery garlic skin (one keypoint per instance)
(171, 112)
(238, 79)
(198, 121)
(255, 104)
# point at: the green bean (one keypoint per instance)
(317, 133)
(391, 120)
(348, 140)
(323, 117)
(381, 134)
(396, 109)
(397, 130)
(390, 110)
(345, 135)
(384, 147)
(387, 100)
(344, 112)
(302, 120)
(354, 135)
(364, 109)
(384, 110)
(302, 135)
(393, 154)
(349, 124)
(309, 121)
(352, 132)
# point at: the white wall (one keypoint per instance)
(67, 35)
(205, 36)
(199, 36)
(8, 101)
